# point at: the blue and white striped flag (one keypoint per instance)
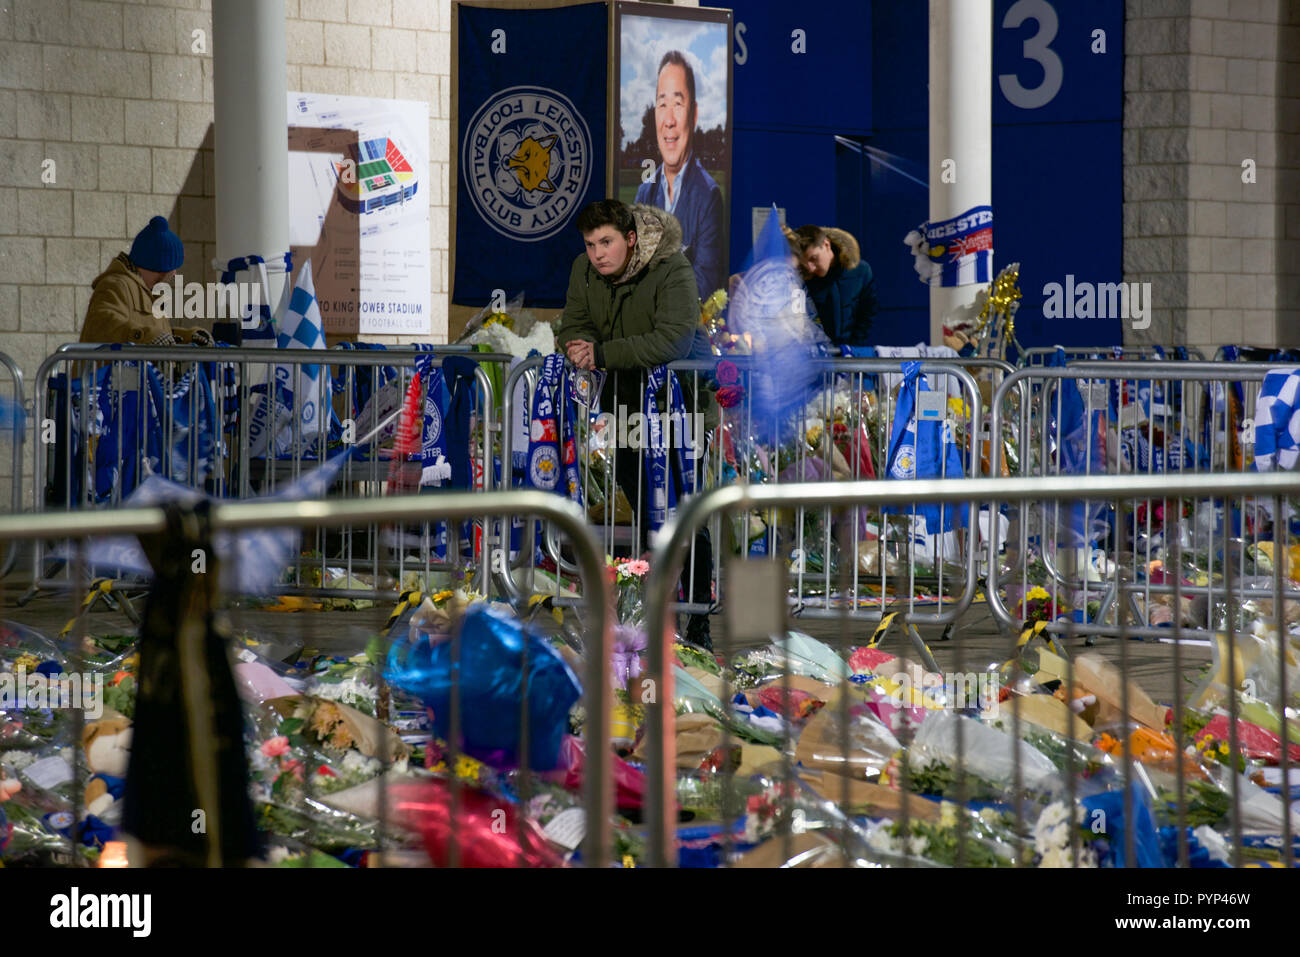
(1277, 421)
(301, 392)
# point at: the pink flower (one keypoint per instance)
(275, 747)
(293, 767)
(636, 566)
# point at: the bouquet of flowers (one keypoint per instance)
(629, 581)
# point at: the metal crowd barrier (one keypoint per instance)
(884, 551)
(13, 432)
(232, 517)
(888, 555)
(1038, 356)
(847, 829)
(190, 414)
(1153, 419)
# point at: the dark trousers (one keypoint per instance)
(696, 581)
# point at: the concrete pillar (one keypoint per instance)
(961, 127)
(251, 134)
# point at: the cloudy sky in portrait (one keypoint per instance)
(645, 41)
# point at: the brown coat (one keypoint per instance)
(121, 310)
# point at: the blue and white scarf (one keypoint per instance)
(445, 453)
(663, 490)
(544, 459)
(923, 450)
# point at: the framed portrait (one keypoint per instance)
(672, 124)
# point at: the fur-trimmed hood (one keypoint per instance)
(849, 253)
(658, 236)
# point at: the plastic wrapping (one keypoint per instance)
(630, 579)
(987, 752)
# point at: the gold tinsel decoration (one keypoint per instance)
(1002, 302)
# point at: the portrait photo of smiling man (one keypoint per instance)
(674, 101)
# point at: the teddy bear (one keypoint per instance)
(107, 744)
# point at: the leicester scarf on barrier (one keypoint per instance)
(544, 461)
(663, 489)
(923, 450)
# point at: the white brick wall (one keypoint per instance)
(1234, 273)
(113, 94)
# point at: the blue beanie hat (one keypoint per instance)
(157, 248)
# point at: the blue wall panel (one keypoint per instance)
(1057, 167)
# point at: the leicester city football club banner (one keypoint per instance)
(531, 138)
(957, 251)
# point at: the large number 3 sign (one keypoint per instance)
(1036, 48)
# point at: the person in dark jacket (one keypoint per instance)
(632, 305)
(839, 282)
(681, 186)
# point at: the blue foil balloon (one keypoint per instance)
(491, 682)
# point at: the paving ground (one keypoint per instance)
(976, 639)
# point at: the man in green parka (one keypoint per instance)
(632, 305)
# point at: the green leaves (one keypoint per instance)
(291, 728)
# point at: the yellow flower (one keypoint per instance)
(441, 596)
(1223, 747)
(1037, 593)
(26, 662)
(467, 767)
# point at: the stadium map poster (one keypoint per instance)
(359, 210)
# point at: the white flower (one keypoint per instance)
(1059, 836)
(346, 691)
(1052, 830)
(356, 762)
(1052, 815)
(882, 841)
(1064, 857)
(918, 844)
(1055, 857)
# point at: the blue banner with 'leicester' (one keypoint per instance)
(959, 250)
(531, 139)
